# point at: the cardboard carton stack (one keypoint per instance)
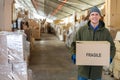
(34, 25)
(116, 68)
(112, 13)
(14, 50)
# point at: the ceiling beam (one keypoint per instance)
(58, 8)
(60, 14)
(94, 5)
(68, 5)
(48, 5)
(86, 2)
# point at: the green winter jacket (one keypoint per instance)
(86, 33)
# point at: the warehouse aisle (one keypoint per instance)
(50, 60)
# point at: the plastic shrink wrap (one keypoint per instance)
(14, 53)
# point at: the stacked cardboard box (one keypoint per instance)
(5, 18)
(36, 33)
(116, 68)
(112, 13)
(34, 25)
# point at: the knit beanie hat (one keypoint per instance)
(94, 9)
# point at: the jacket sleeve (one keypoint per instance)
(112, 45)
(75, 38)
(73, 45)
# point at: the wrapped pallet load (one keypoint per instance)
(14, 50)
(5, 68)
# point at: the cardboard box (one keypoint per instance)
(116, 73)
(94, 53)
(117, 55)
(112, 13)
(117, 45)
(117, 64)
(36, 33)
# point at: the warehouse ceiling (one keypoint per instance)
(58, 9)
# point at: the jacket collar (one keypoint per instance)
(99, 27)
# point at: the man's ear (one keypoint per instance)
(89, 17)
(101, 18)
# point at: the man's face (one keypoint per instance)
(94, 17)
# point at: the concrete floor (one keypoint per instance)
(51, 60)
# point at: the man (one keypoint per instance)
(94, 30)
